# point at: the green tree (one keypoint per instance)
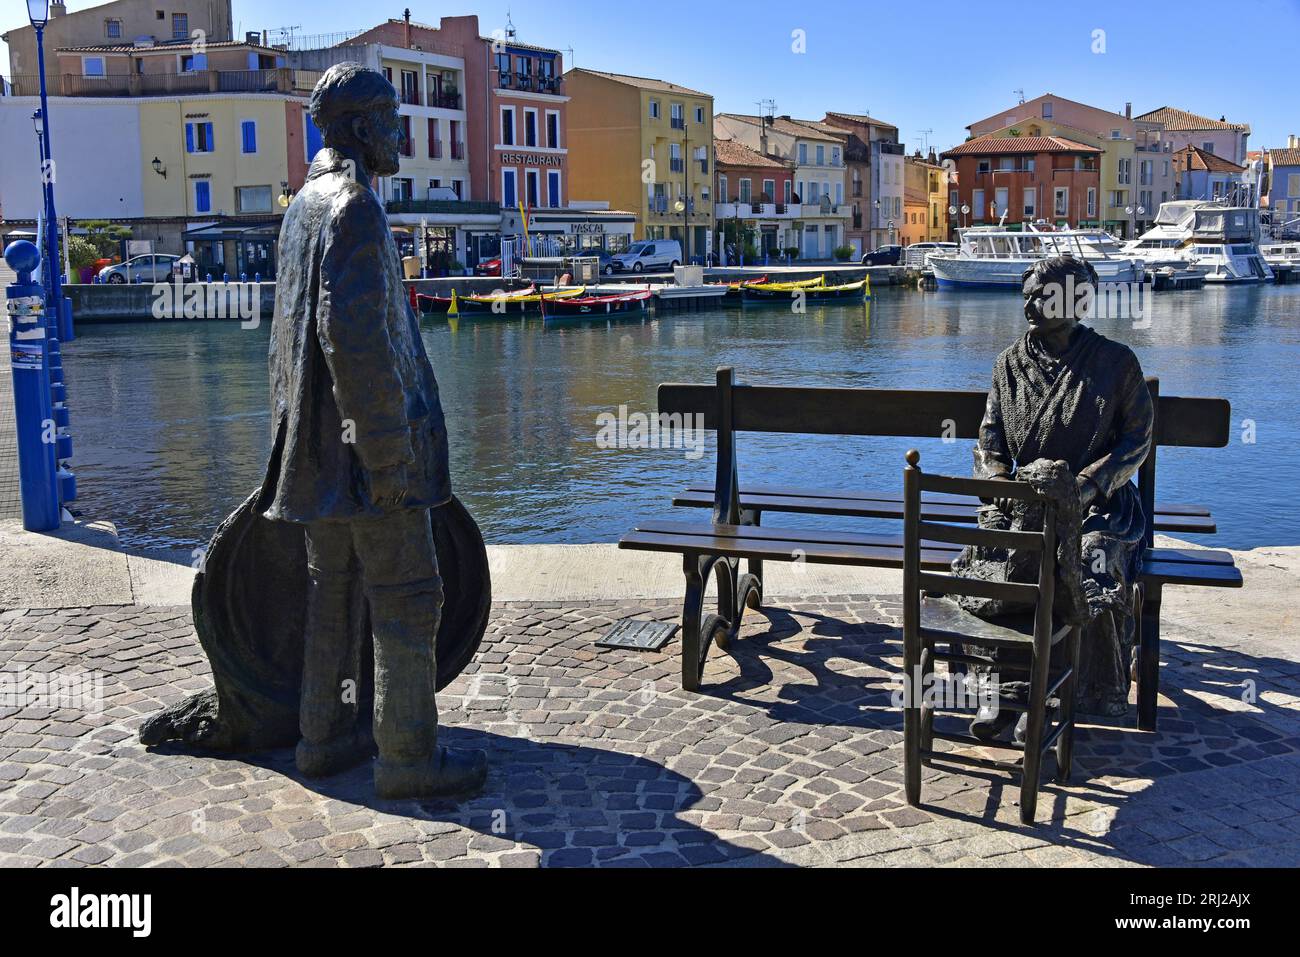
(106, 237)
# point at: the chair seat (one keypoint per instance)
(943, 620)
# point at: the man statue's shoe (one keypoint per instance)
(989, 722)
(320, 760)
(447, 772)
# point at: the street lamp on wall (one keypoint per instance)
(159, 168)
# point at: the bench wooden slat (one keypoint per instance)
(1162, 508)
(772, 550)
(1191, 556)
(885, 508)
(1186, 421)
(1183, 573)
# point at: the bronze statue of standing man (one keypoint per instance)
(360, 453)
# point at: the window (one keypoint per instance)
(675, 162)
(253, 199)
(193, 62)
(835, 156)
(457, 147)
(1030, 203)
(553, 188)
(411, 87)
(530, 127)
(1001, 200)
(789, 185)
(532, 179)
(1047, 110)
(503, 63)
(839, 194)
(654, 109)
(403, 190)
(1125, 171)
(507, 126)
(1208, 147)
(745, 188)
(509, 190)
(677, 116)
(408, 142)
(435, 138)
(699, 116)
(977, 204)
(1092, 202)
(983, 166)
(113, 28)
(1061, 201)
(1006, 163)
(722, 188)
(821, 155)
(552, 129)
(199, 138)
(769, 190)
(1293, 185)
(248, 135)
(803, 154)
(180, 26)
(202, 196)
(92, 66)
(1116, 134)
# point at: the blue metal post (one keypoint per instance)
(29, 350)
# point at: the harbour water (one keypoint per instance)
(171, 427)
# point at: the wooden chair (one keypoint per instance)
(929, 622)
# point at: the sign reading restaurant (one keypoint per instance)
(532, 159)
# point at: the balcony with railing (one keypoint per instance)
(193, 82)
(678, 122)
(737, 209)
(457, 150)
(445, 100)
(445, 206)
(677, 165)
(435, 149)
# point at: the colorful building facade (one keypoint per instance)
(752, 206)
(1015, 179)
(646, 146)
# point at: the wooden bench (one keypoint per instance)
(735, 531)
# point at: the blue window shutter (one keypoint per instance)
(189, 137)
(249, 129)
(200, 61)
(315, 142)
(212, 143)
(202, 196)
(252, 60)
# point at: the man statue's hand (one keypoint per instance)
(388, 486)
(1004, 505)
(1088, 491)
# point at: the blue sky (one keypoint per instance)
(928, 65)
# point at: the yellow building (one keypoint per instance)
(645, 146)
(925, 200)
(215, 155)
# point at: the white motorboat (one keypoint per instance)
(1278, 254)
(1209, 237)
(992, 257)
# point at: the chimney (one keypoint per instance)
(406, 15)
(1293, 142)
(58, 9)
(932, 158)
(1128, 111)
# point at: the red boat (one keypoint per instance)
(581, 307)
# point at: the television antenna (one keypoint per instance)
(925, 140)
(285, 34)
(510, 27)
(1020, 94)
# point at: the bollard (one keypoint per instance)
(33, 409)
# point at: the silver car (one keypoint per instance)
(150, 268)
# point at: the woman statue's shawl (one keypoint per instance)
(250, 604)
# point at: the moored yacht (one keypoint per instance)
(991, 256)
(1219, 241)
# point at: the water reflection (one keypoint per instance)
(171, 428)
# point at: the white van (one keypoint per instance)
(656, 254)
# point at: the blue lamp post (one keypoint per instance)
(38, 12)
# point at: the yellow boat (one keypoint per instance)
(520, 300)
(788, 286)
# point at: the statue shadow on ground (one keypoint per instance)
(1113, 758)
(575, 804)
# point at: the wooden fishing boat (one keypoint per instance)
(734, 287)
(787, 286)
(771, 294)
(579, 307)
(511, 303)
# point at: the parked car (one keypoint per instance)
(606, 262)
(151, 268)
(884, 256)
(658, 254)
(489, 267)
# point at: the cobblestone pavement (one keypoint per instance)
(791, 755)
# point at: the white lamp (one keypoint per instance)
(38, 11)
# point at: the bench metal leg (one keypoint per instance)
(692, 653)
(749, 587)
(701, 631)
(1148, 676)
